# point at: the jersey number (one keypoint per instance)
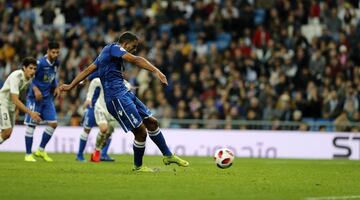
(5, 116)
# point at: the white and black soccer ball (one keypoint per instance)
(224, 158)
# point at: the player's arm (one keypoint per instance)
(14, 95)
(143, 63)
(54, 85)
(37, 93)
(80, 77)
(34, 115)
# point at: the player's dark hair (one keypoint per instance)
(127, 37)
(53, 45)
(29, 61)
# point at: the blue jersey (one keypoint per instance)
(97, 90)
(45, 77)
(121, 103)
(110, 70)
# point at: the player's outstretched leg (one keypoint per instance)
(49, 131)
(28, 143)
(83, 140)
(158, 138)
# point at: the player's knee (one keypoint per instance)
(6, 133)
(53, 125)
(151, 123)
(87, 130)
(103, 128)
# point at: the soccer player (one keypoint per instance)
(89, 120)
(16, 83)
(103, 118)
(40, 99)
(122, 104)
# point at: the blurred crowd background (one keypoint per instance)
(240, 64)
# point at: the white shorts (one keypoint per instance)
(102, 116)
(7, 117)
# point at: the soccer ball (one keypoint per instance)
(224, 158)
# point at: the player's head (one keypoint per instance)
(129, 41)
(29, 67)
(53, 50)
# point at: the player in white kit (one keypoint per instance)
(16, 84)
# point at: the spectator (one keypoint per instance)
(48, 14)
(332, 106)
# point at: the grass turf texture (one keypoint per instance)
(246, 179)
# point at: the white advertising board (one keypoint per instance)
(190, 142)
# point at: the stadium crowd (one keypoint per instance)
(271, 60)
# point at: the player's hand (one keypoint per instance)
(162, 77)
(35, 116)
(86, 104)
(57, 92)
(65, 87)
(38, 95)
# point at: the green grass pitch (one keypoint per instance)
(246, 179)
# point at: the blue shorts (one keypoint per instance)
(88, 120)
(128, 110)
(45, 107)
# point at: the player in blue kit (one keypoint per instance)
(122, 104)
(89, 122)
(40, 99)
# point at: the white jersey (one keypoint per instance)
(15, 83)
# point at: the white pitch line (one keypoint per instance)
(333, 198)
